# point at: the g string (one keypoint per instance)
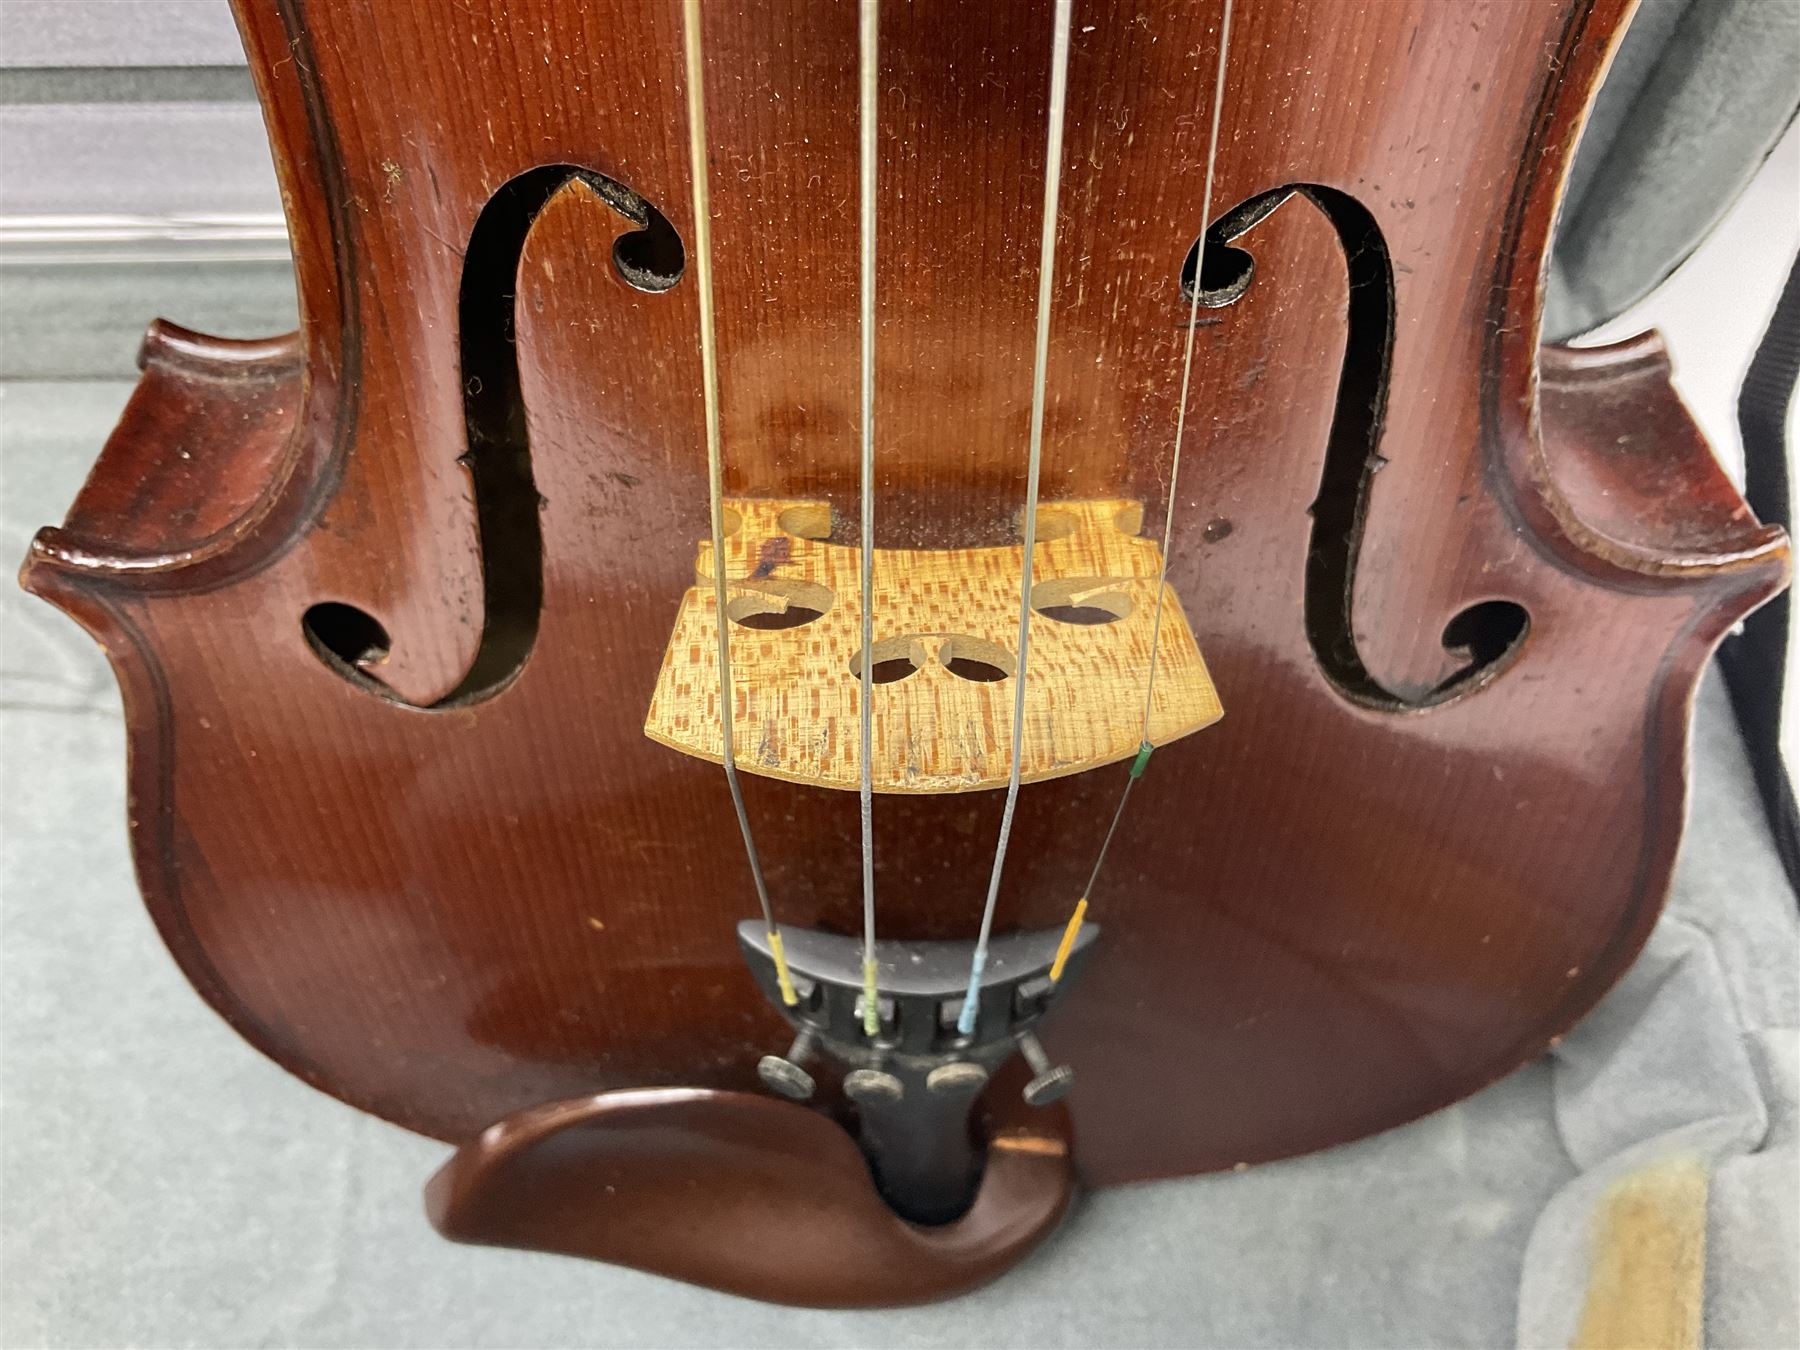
(709, 386)
(868, 70)
(1059, 98)
(1162, 580)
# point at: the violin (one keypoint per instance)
(844, 620)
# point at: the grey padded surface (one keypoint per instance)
(167, 159)
(162, 1184)
(85, 322)
(73, 33)
(1697, 97)
(141, 108)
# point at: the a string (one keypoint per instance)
(868, 68)
(1162, 579)
(1059, 97)
(709, 385)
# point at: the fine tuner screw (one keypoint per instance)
(956, 1080)
(873, 1087)
(1049, 1082)
(783, 1074)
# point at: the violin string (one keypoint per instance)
(868, 69)
(1059, 97)
(715, 467)
(1162, 580)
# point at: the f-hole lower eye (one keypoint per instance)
(651, 259)
(1487, 631)
(346, 633)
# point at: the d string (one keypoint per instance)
(1059, 98)
(868, 69)
(1162, 580)
(715, 470)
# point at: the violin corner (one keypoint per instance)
(202, 447)
(1633, 482)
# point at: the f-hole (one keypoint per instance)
(498, 455)
(1484, 637)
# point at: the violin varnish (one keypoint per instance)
(946, 630)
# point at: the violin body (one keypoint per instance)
(388, 599)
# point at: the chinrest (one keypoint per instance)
(744, 1194)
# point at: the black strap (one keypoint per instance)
(1755, 661)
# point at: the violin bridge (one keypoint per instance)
(945, 652)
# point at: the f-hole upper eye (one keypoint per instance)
(1226, 270)
(650, 259)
